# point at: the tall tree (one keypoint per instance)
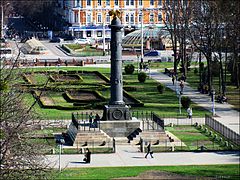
(20, 156)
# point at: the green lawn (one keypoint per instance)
(165, 104)
(194, 138)
(216, 171)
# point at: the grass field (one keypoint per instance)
(162, 104)
(194, 138)
(216, 171)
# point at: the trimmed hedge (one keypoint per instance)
(129, 69)
(142, 77)
(67, 49)
(161, 88)
(185, 101)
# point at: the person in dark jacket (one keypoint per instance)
(87, 158)
(149, 151)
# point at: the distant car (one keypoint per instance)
(82, 41)
(55, 40)
(152, 53)
(24, 39)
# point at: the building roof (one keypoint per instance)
(134, 38)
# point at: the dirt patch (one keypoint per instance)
(163, 175)
(84, 96)
(62, 78)
(47, 100)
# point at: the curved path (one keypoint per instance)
(224, 112)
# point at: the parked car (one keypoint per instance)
(56, 40)
(82, 41)
(152, 53)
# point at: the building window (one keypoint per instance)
(167, 17)
(159, 2)
(89, 18)
(127, 2)
(78, 3)
(151, 17)
(151, 2)
(127, 18)
(167, 2)
(107, 2)
(140, 2)
(89, 33)
(140, 18)
(116, 2)
(108, 18)
(76, 17)
(132, 2)
(132, 19)
(88, 2)
(99, 33)
(99, 2)
(99, 18)
(159, 17)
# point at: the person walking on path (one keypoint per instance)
(149, 151)
(189, 111)
(87, 157)
(173, 79)
(181, 86)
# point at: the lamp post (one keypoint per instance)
(60, 142)
(2, 19)
(213, 102)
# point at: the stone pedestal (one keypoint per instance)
(116, 112)
(119, 128)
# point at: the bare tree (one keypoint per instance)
(203, 31)
(20, 157)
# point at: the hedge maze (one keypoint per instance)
(72, 90)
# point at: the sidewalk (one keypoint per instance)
(129, 156)
(225, 112)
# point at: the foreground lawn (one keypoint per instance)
(217, 171)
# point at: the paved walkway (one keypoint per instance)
(225, 112)
(130, 156)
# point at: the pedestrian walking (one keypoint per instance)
(181, 86)
(173, 79)
(189, 111)
(87, 157)
(149, 151)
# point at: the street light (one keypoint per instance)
(2, 20)
(213, 102)
(60, 142)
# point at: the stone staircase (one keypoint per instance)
(153, 136)
(91, 138)
(88, 137)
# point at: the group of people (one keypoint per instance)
(181, 79)
(93, 120)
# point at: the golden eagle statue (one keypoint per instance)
(115, 14)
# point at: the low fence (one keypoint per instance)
(84, 122)
(168, 119)
(224, 130)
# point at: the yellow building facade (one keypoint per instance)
(90, 18)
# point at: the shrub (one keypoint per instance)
(142, 77)
(129, 69)
(195, 71)
(160, 88)
(185, 101)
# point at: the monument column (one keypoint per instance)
(116, 110)
(116, 63)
